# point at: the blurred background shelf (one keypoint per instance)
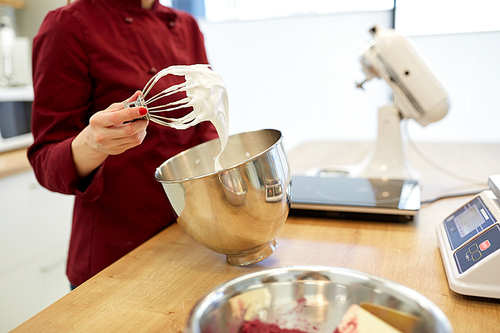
(18, 4)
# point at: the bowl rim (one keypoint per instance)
(217, 292)
(216, 172)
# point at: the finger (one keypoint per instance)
(118, 117)
(133, 97)
(120, 106)
(110, 137)
(119, 145)
(129, 129)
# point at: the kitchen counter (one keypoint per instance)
(154, 287)
(13, 162)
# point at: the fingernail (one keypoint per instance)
(143, 111)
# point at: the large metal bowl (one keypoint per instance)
(310, 299)
(236, 211)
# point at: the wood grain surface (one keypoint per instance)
(13, 162)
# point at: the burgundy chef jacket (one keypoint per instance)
(86, 56)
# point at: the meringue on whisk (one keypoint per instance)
(205, 92)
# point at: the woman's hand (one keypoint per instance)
(110, 132)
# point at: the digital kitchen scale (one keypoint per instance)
(469, 241)
(390, 200)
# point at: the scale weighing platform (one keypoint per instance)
(469, 242)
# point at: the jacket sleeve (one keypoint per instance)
(62, 88)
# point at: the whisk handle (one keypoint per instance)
(138, 102)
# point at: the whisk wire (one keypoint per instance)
(167, 92)
(182, 103)
(153, 81)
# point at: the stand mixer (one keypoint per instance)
(418, 95)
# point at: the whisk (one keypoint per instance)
(205, 93)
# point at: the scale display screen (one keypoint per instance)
(468, 222)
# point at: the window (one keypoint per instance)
(412, 17)
(425, 17)
(195, 7)
(224, 10)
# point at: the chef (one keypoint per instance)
(88, 57)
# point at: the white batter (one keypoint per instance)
(206, 93)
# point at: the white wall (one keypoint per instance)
(467, 66)
(297, 74)
(30, 18)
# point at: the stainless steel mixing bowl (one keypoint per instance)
(310, 299)
(236, 211)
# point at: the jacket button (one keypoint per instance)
(128, 19)
(153, 70)
(171, 24)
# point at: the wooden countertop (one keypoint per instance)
(13, 162)
(154, 287)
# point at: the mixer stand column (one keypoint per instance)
(387, 159)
